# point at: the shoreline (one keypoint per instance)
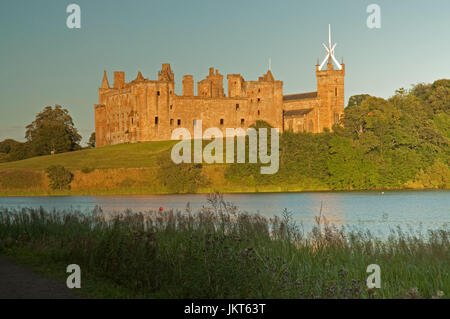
(205, 192)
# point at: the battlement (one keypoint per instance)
(149, 110)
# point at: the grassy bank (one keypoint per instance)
(219, 252)
(126, 169)
(139, 169)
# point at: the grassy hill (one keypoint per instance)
(140, 155)
(117, 169)
(110, 170)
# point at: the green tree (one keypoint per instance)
(91, 142)
(356, 100)
(440, 96)
(348, 167)
(180, 178)
(60, 177)
(52, 131)
(436, 176)
(20, 152)
(7, 145)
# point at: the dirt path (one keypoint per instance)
(17, 282)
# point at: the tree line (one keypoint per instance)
(380, 143)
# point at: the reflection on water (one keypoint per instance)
(419, 210)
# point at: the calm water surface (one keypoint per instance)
(416, 210)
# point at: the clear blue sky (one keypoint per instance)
(42, 62)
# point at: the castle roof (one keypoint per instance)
(297, 112)
(300, 96)
(140, 77)
(267, 77)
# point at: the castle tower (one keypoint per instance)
(330, 89)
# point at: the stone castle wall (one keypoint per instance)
(149, 110)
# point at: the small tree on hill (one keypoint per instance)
(91, 142)
(52, 131)
(60, 177)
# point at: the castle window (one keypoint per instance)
(242, 122)
(179, 122)
(171, 106)
(335, 91)
(221, 121)
(259, 100)
(259, 113)
(237, 107)
(132, 121)
(171, 122)
(156, 120)
(259, 90)
(158, 93)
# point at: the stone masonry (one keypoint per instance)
(149, 110)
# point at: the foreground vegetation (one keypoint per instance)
(219, 252)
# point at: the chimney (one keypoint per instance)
(119, 80)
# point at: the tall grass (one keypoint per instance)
(220, 252)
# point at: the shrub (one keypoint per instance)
(180, 178)
(436, 176)
(60, 177)
(87, 170)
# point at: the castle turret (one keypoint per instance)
(139, 77)
(166, 73)
(105, 83)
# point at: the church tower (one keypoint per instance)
(330, 88)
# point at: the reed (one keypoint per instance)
(221, 252)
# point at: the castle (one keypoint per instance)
(149, 110)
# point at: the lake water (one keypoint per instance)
(375, 211)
